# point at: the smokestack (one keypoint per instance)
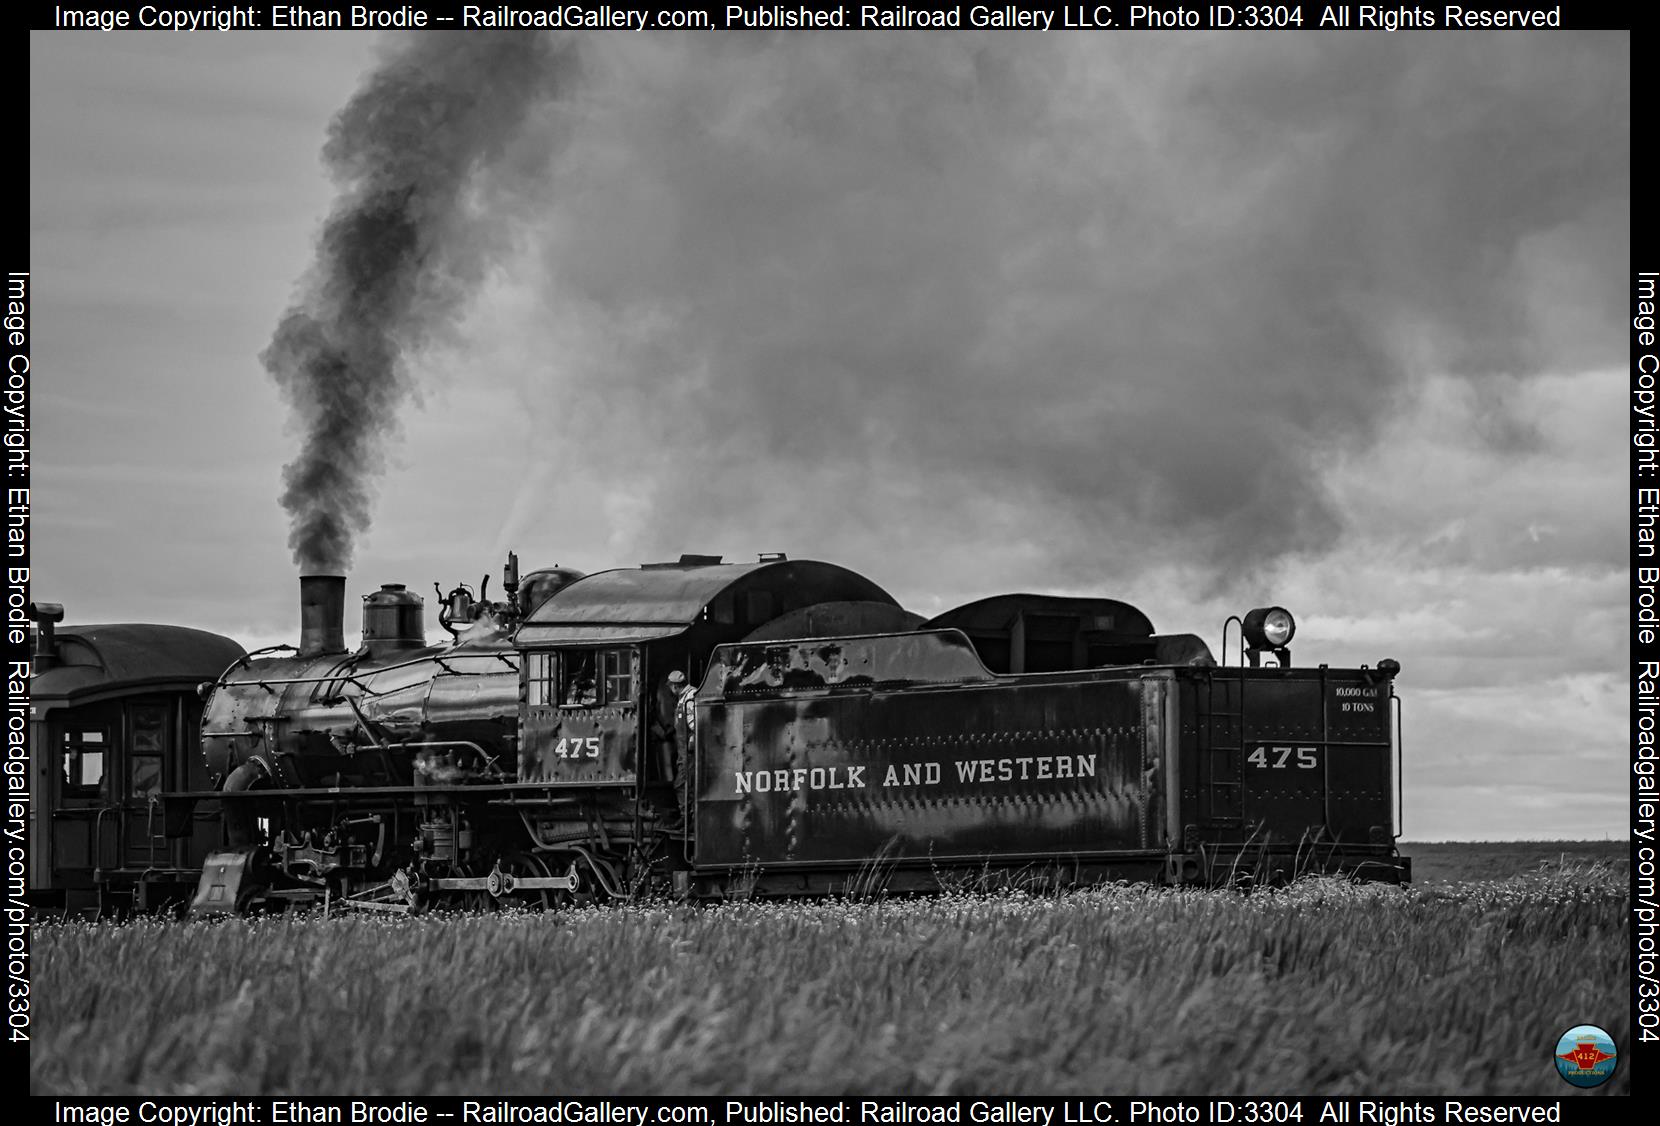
(322, 614)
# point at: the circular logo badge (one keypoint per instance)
(1585, 1056)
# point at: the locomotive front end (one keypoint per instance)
(334, 765)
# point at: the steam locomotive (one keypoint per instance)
(834, 743)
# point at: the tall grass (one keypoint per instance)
(1324, 987)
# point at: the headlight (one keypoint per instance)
(1269, 627)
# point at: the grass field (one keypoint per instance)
(1325, 987)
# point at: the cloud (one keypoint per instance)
(1106, 306)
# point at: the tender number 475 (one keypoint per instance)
(1278, 758)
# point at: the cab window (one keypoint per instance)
(580, 682)
(542, 678)
(581, 678)
(618, 667)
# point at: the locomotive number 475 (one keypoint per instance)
(1278, 758)
(578, 748)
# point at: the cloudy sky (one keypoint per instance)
(1202, 322)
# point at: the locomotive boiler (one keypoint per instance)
(833, 741)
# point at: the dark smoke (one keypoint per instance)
(415, 154)
(1080, 307)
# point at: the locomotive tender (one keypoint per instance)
(837, 744)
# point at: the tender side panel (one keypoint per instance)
(1286, 757)
(1008, 767)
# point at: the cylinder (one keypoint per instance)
(392, 619)
(322, 614)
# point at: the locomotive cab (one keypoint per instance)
(583, 705)
(596, 654)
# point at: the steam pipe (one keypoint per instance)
(239, 820)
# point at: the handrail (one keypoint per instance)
(363, 724)
(1325, 752)
(98, 838)
(352, 678)
(243, 660)
(429, 744)
(1233, 618)
(1400, 766)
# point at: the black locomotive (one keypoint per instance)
(834, 743)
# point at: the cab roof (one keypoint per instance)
(633, 604)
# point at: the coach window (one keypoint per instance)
(84, 754)
(149, 744)
(143, 775)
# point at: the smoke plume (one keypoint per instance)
(1080, 306)
(408, 240)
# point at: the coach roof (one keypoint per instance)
(93, 660)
